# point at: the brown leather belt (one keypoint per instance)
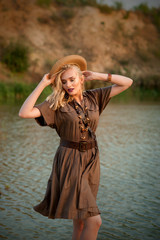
(82, 146)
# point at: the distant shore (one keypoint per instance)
(16, 93)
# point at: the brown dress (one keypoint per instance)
(73, 184)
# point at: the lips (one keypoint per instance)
(70, 89)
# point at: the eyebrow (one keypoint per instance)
(69, 78)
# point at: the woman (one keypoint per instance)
(73, 184)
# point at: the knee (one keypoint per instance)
(94, 222)
(98, 222)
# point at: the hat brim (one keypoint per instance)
(71, 59)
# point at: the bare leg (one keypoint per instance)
(91, 227)
(77, 229)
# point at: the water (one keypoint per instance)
(129, 192)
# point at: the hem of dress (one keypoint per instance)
(79, 214)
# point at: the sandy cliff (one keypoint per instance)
(120, 42)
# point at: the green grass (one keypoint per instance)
(137, 94)
(16, 93)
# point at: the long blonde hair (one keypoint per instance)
(60, 97)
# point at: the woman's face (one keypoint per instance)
(72, 82)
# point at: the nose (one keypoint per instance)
(68, 84)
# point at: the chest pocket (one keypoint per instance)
(67, 115)
(68, 112)
(67, 108)
(93, 111)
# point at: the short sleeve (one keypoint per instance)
(47, 117)
(101, 96)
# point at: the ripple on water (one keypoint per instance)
(129, 190)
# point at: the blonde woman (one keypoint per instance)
(74, 113)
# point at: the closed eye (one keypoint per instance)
(71, 79)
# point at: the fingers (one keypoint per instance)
(85, 72)
(47, 76)
(47, 80)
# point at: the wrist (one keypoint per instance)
(42, 85)
(101, 76)
(108, 77)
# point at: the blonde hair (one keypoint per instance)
(60, 97)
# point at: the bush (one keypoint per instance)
(118, 5)
(126, 15)
(76, 2)
(153, 13)
(68, 14)
(155, 16)
(55, 17)
(156, 52)
(105, 8)
(3, 91)
(44, 3)
(15, 56)
(48, 64)
(143, 55)
(63, 16)
(143, 7)
(43, 20)
(88, 2)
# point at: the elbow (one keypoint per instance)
(20, 114)
(130, 82)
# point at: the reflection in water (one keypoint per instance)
(129, 193)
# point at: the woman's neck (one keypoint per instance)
(78, 98)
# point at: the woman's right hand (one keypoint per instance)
(28, 110)
(46, 80)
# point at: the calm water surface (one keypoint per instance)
(129, 192)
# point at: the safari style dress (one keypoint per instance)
(74, 180)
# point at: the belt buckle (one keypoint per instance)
(82, 146)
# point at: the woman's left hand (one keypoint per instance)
(89, 75)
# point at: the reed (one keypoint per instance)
(16, 93)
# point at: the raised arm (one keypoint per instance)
(28, 110)
(121, 83)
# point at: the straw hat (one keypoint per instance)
(71, 59)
